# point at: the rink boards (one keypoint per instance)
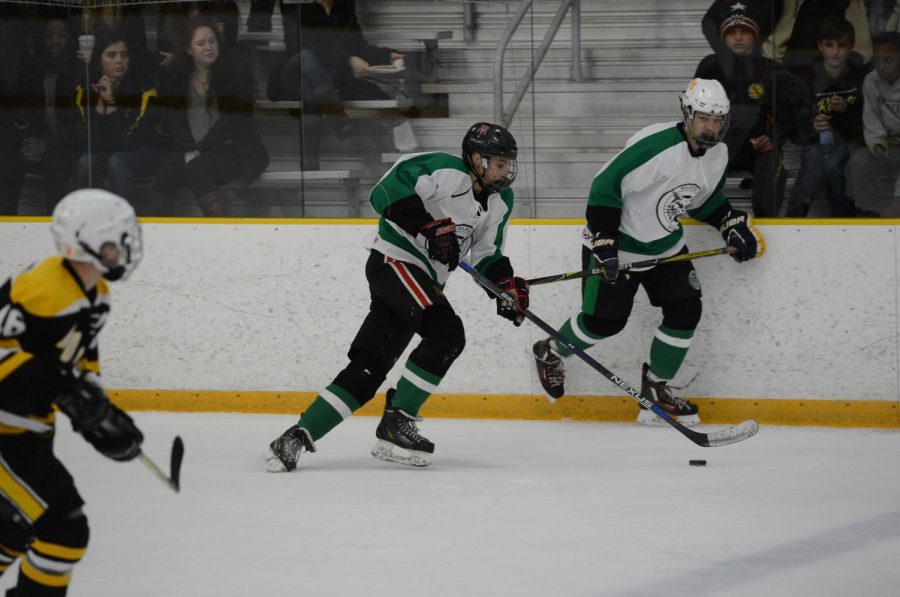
(257, 316)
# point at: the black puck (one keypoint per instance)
(697, 462)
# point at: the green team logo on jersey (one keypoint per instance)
(672, 206)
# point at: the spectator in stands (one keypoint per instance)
(788, 28)
(749, 80)
(126, 20)
(884, 16)
(173, 17)
(120, 110)
(873, 182)
(325, 68)
(801, 48)
(836, 81)
(39, 103)
(208, 96)
(764, 13)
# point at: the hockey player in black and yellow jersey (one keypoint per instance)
(50, 316)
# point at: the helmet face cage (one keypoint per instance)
(704, 139)
(490, 141)
(97, 227)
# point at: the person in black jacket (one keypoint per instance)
(750, 81)
(208, 98)
(328, 53)
(37, 103)
(835, 79)
(122, 115)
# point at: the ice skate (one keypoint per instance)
(661, 395)
(399, 439)
(550, 368)
(283, 453)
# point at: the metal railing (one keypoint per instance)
(502, 116)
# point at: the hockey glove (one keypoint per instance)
(517, 288)
(104, 425)
(605, 247)
(739, 238)
(441, 242)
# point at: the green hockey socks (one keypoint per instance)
(331, 406)
(667, 352)
(414, 388)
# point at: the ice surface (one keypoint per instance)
(508, 508)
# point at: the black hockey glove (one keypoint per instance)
(104, 425)
(605, 247)
(441, 242)
(517, 288)
(739, 238)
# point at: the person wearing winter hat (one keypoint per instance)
(749, 79)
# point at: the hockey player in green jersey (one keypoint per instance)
(50, 316)
(665, 171)
(434, 208)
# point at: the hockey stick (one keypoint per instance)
(628, 266)
(723, 437)
(173, 481)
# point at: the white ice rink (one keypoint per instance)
(507, 508)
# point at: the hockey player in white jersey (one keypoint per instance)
(435, 208)
(665, 171)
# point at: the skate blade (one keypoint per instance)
(649, 418)
(386, 451)
(270, 462)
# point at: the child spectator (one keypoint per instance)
(208, 96)
(120, 110)
(873, 182)
(835, 79)
(749, 80)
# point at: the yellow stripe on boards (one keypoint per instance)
(42, 578)
(831, 413)
(73, 554)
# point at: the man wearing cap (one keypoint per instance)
(749, 79)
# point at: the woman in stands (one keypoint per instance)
(120, 110)
(208, 97)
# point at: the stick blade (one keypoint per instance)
(733, 435)
(177, 457)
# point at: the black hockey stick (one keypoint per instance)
(173, 481)
(723, 437)
(627, 266)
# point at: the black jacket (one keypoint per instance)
(332, 38)
(848, 84)
(136, 123)
(232, 88)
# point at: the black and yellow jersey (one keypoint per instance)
(48, 327)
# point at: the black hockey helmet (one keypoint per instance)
(489, 140)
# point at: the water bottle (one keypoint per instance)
(826, 141)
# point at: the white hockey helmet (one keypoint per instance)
(706, 96)
(97, 227)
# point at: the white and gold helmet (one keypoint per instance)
(706, 96)
(97, 227)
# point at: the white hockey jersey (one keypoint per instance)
(655, 181)
(442, 181)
